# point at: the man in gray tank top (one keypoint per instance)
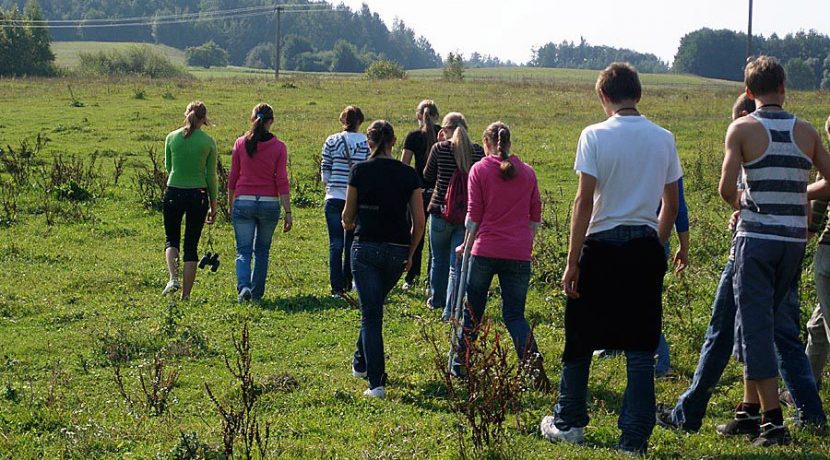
(775, 152)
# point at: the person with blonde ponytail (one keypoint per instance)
(456, 153)
(257, 184)
(417, 146)
(503, 212)
(190, 160)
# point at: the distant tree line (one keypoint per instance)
(25, 50)
(313, 40)
(570, 55)
(722, 54)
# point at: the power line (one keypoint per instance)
(237, 13)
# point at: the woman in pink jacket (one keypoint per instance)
(257, 185)
(503, 211)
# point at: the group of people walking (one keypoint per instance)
(485, 200)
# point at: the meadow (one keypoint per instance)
(80, 285)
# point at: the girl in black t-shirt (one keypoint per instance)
(380, 191)
(417, 145)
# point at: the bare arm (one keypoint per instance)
(668, 212)
(732, 160)
(349, 215)
(416, 210)
(583, 208)
(406, 156)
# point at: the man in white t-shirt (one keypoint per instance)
(626, 166)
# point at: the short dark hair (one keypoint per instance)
(764, 75)
(619, 81)
(742, 104)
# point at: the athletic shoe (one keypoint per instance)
(772, 435)
(785, 398)
(376, 392)
(550, 431)
(358, 374)
(409, 284)
(244, 295)
(743, 424)
(607, 353)
(172, 286)
(665, 417)
(669, 374)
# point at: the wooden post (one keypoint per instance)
(278, 43)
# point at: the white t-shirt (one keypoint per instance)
(633, 160)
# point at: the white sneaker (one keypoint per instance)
(172, 286)
(552, 433)
(376, 392)
(357, 374)
(244, 295)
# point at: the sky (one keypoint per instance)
(509, 29)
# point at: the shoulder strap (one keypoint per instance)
(346, 149)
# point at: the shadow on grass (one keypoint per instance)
(305, 304)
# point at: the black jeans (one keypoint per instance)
(417, 258)
(192, 204)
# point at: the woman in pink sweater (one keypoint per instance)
(257, 184)
(503, 211)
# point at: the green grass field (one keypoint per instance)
(77, 295)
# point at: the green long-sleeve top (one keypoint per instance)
(191, 161)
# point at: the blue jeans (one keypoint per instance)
(254, 223)
(514, 278)
(376, 267)
(340, 247)
(717, 347)
(637, 413)
(443, 239)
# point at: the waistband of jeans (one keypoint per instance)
(257, 198)
(380, 243)
(180, 189)
(625, 233)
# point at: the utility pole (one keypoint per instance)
(749, 34)
(278, 40)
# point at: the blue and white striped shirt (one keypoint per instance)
(774, 201)
(335, 166)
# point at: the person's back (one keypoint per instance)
(188, 159)
(629, 156)
(264, 172)
(504, 209)
(385, 187)
(776, 171)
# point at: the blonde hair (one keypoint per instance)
(429, 115)
(462, 146)
(827, 127)
(195, 112)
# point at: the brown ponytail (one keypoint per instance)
(381, 135)
(195, 112)
(499, 134)
(260, 116)
(351, 118)
(429, 115)
(462, 146)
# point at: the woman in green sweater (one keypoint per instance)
(190, 159)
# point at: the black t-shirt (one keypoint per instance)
(417, 143)
(384, 187)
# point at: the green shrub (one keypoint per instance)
(384, 69)
(138, 60)
(208, 55)
(454, 67)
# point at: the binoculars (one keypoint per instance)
(211, 260)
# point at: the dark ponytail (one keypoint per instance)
(499, 134)
(381, 135)
(196, 111)
(351, 118)
(429, 116)
(260, 116)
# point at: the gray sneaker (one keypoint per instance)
(244, 295)
(172, 286)
(572, 435)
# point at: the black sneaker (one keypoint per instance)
(665, 417)
(772, 435)
(743, 424)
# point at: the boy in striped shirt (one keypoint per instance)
(775, 152)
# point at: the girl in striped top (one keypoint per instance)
(341, 152)
(458, 152)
